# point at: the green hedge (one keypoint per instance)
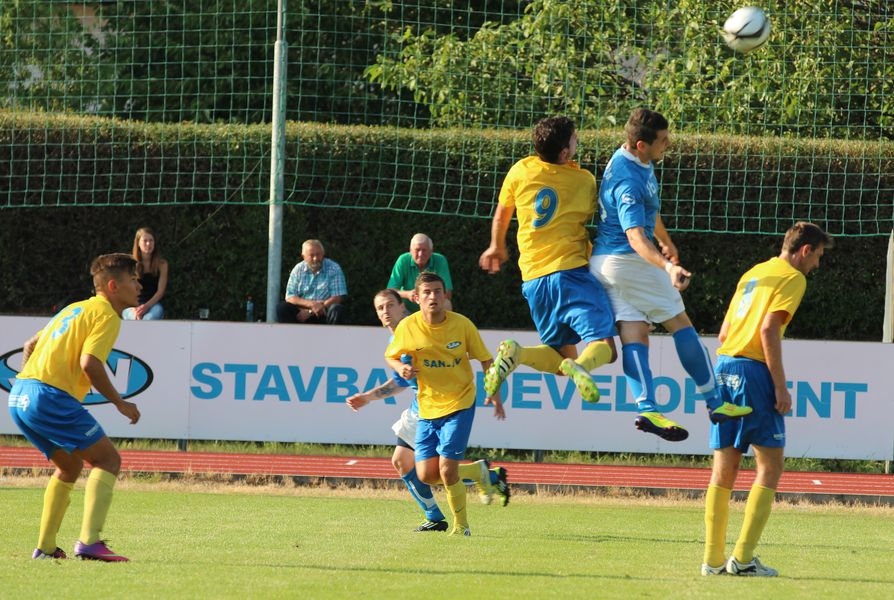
(218, 256)
(218, 252)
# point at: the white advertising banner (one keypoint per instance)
(261, 382)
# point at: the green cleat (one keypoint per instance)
(504, 364)
(654, 422)
(581, 378)
(501, 487)
(727, 412)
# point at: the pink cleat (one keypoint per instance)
(97, 551)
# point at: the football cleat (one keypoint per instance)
(727, 412)
(709, 570)
(654, 422)
(504, 364)
(41, 555)
(432, 526)
(581, 378)
(97, 551)
(750, 569)
(501, 487)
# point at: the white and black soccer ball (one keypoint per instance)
(746, 29)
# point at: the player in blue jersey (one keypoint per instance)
(639, 266)
(553, 199)
(391, 310)
(750, 373)
(59, 366)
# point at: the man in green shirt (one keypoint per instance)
(409, 265)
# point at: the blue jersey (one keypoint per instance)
(628, 197)
(414, 406)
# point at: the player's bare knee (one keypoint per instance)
(70, 473)
(109, 461)
(68, 466)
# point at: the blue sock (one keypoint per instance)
(697, 362)
(635, 361)
(421, 492)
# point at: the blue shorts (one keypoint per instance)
(52, 419)
(447, 436)
(747, 382)
(568, 307)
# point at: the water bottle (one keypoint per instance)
(408, 360)
(249, 310)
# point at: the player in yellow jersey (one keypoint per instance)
(60, 364)
(749, 372)
(440, 345)
(554, 199)
(391, 311)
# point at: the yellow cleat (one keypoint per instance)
(504, 364)
(727, 412)
(581, 378)
(657, 423)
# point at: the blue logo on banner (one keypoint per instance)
(126, 368)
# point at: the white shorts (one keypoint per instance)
(405, 427)
(638, 290)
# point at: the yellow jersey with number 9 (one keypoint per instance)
(553, 204)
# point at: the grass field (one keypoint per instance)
(200, 540)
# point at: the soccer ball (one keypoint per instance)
(746, 29)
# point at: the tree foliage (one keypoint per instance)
(49, 60)
(826, 71)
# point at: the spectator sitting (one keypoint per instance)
(152, 271)
(409, 265)
(315, 291)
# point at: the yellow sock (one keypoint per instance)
(540, 358)
(595, 355)
(456, 498)
(471, 472)
(716, 520)
(56, 499)
(757, 511)
(97, 500)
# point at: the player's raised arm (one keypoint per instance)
(496, 254)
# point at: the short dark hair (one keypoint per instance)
(644, 125)
(388, 292)
(429, 277)
(111, 266)
(551, 136)
(802, 234)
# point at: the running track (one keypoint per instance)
(814, 487)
